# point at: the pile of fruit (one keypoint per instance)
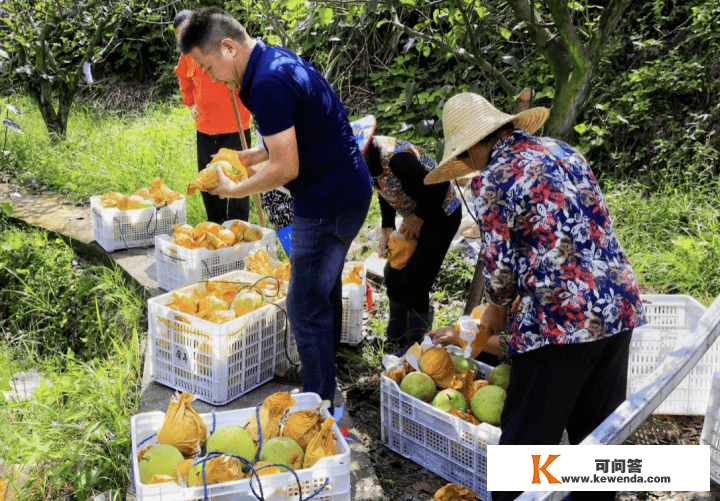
(297, 440)
(156, 196)
(207, 179)
(261, 263)
(219, 301)
(353, 276)
(213, 236)
(451, 383)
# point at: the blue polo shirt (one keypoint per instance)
(282, 90)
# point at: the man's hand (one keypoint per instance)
(225, 187)
(384, 239)
(411, 226)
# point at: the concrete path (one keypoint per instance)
(74, 224)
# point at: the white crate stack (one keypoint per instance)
(353, 300)
(218, 362)
(115, 229)
(711, 428)
(444, 444)
(330, 475)
(669, 318)
(177, 265)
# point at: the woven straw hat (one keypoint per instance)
(364, 130)
(469, 118)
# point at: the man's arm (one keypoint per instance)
(282, 168)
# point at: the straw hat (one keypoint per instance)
(467, 119)
(364, 130)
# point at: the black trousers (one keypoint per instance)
(558, 387)
(411, 285)
(218, 211)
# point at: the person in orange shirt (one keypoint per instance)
(210, 106)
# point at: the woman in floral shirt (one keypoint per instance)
(547, 238)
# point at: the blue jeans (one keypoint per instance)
(314, 300)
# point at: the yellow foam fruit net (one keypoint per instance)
(302, 426)
(454, 492)
(183, 428)
(157, 195)
(217, 470)
(261, 263)
(271, 412)
(213, 236)
(220, 302)
(354, 276)
(207, 179)
(322, 444)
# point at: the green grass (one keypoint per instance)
(77, 325)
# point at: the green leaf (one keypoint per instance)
(506, 33)
(7, 209)
(325, 15)
(581, 129)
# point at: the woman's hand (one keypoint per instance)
(495, 319)
(445, 336)
(194, 111)
(384, 239)
(411, 226)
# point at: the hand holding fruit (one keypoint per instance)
(411, 226)
(445, 336)
(384, 239)
(225, 186)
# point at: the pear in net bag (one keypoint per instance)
(217, 470)
(272, 411)
(303, 426)
(322, 445)
(473, 336)
(454, 492)
(183, 428)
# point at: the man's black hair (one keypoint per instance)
(207, 27)
(180, 17)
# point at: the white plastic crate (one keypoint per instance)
(711, 428)
(218, 362)
(177, 265)
(444, 444)
(670, 317)
(353, 300)
(115, 229)
(335, 470)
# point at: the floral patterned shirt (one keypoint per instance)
(548, 237)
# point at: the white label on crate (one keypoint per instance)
(182, 357)
(598, 468)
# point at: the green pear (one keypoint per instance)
(283, 450)
(449, 399)
(419, 385)
(159, 460)
(500, 376)
(232, 440)
(463, 364)
(487, 404)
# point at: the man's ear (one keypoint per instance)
(227, 47)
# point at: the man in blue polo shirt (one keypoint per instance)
(312, 152)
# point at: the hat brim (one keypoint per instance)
(451, 170)
(529, 120)
(364, 130)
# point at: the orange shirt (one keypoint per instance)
(215, 110)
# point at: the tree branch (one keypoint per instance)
(460, 53)
(608, 21)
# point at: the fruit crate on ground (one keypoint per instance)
(332, 472)
(115, 229)
(670, 317)
(436, 440)
(711, 428)
(353, 299)
(177, 265)
(218, 362)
